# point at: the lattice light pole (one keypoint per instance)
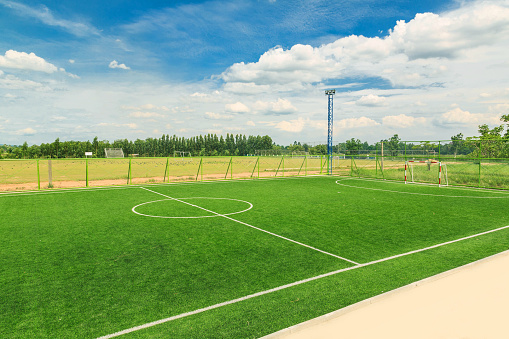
(330, 93)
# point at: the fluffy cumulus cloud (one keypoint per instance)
(402, 121)
(26, 131)
(356, 123)
(371, 100)
(237, 107)
(279, 107)
(459, 116)
(412, 54)
(293, 126)
(115, 64)
(22, 60)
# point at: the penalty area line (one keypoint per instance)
(279, 288)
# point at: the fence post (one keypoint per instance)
(50, 175)
(321, 156)
(479, 158)
(283, 165)
(86, 171)
(231, 168)
(166, 170)
(306, 166)
(38, 176)
(129, 173)
(258, 167)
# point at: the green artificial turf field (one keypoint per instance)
(227, 259)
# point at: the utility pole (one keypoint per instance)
(330, 93)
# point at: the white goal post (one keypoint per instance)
(183, 155)
(114, 153)
(426, 171)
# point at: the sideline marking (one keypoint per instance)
(201, 216)
(256, 228)
(250, 296)
(120, 187)
(416, 193)
(448, 187)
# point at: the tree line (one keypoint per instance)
(492, 143)
(166, 145)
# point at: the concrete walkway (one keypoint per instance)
(471, 301)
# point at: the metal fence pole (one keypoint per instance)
(38, 176)
(479, 158)
(86, 171)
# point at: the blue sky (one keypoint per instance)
(422, 69)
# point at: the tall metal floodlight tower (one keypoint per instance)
(330, 93)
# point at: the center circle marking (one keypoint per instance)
(202, 216)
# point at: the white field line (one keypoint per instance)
(300, 282)
(449, 187)
(120, 187)
(256, 228)
(422, 194)
(199, 217)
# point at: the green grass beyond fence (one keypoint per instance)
(65, 173)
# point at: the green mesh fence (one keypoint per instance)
(18, 174)
(495, 173)
(62, 173)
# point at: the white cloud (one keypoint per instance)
(293, 126)
(22, 60)
(139, 114)
(246, 88)
(217, 116)
(279, 107)
(237, 107)
(112, 124)
(356, 123)
(250, 123)
(371, 100)
(72, 61)
(414, 53)
(459, 116)
(26, 131)
(29, 61)
(402, 121)
(9, 81)
(182, 109)
(115, 64)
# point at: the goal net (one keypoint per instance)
(114, 153)
(299, 154)
(426, 171)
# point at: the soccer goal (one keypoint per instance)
(182, 155)
(427, 171)
(114, 153)
(299, 154)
